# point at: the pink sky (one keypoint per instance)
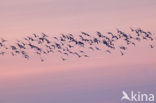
(21, 79)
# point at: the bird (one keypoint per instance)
(42, 60)
(123, 47)
(2, 53)
(73, 44)
(13, 47)
(85, 34)
(63, 59)
(3, 40)
(108, 51)
(97, 48)
(151, 46)
(121, 53)
(91, 48)
(21, 46)
(86, 56)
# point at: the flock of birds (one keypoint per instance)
(78, 45)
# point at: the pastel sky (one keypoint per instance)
(97, 79)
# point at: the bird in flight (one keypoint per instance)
(66, 45)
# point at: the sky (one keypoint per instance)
(100, 78)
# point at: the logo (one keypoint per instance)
(137, 97)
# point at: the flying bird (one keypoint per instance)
(79, 45)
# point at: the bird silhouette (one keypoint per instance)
(79, 45)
